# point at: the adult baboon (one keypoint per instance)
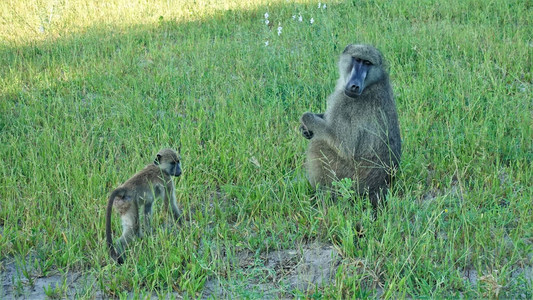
(152, 182)
(358, 136)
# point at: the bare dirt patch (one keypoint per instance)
(16, 285)
(523, 277)
(268, 275)
(273, 274)
(276, 274)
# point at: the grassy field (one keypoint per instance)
(91, 90)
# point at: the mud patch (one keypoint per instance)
(270, 275)
(471, 275)
(522, 278)
(16, 285)
(273, 274)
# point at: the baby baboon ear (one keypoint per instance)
(157, 160)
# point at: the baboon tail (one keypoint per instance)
(112, 251)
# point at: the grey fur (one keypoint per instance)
(358, 136)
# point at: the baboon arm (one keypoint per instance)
(317, 126)
(176, 212)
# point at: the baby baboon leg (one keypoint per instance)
(148, 217)
(130, 225)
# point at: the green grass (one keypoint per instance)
(91, 90)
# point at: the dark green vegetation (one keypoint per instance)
(90, 92)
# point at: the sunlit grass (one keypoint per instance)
(91, 90)
(36, 20)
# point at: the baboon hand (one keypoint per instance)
(306, 121)
(308, 134)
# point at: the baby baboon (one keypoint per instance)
(358, 136)
(152, 182)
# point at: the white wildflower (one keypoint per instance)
(324, 6)
(319, 4)
(266, 15)
(41, 29)
(266, 43)
(294, 17)
(300, 19)
(312, 20)
(279, 29)
(267, 21)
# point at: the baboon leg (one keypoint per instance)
(130, 226)
(374, 200)
(148, 217)
(165, 204)
(377, 198)
(324, 165)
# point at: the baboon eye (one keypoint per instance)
(366, 62)
(357, 59)
(157, 159)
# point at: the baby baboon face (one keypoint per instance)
(169, 162)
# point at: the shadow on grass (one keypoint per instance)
(109, 91)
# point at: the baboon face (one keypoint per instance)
(169, 162)
(360, 67)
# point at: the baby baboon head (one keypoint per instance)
(169, 162)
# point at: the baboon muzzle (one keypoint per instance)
(356, 83)
(177, 171)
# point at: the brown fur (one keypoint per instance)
(358, 136)
(152, 182)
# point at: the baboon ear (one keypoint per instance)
(157, 160)
(347, 48)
